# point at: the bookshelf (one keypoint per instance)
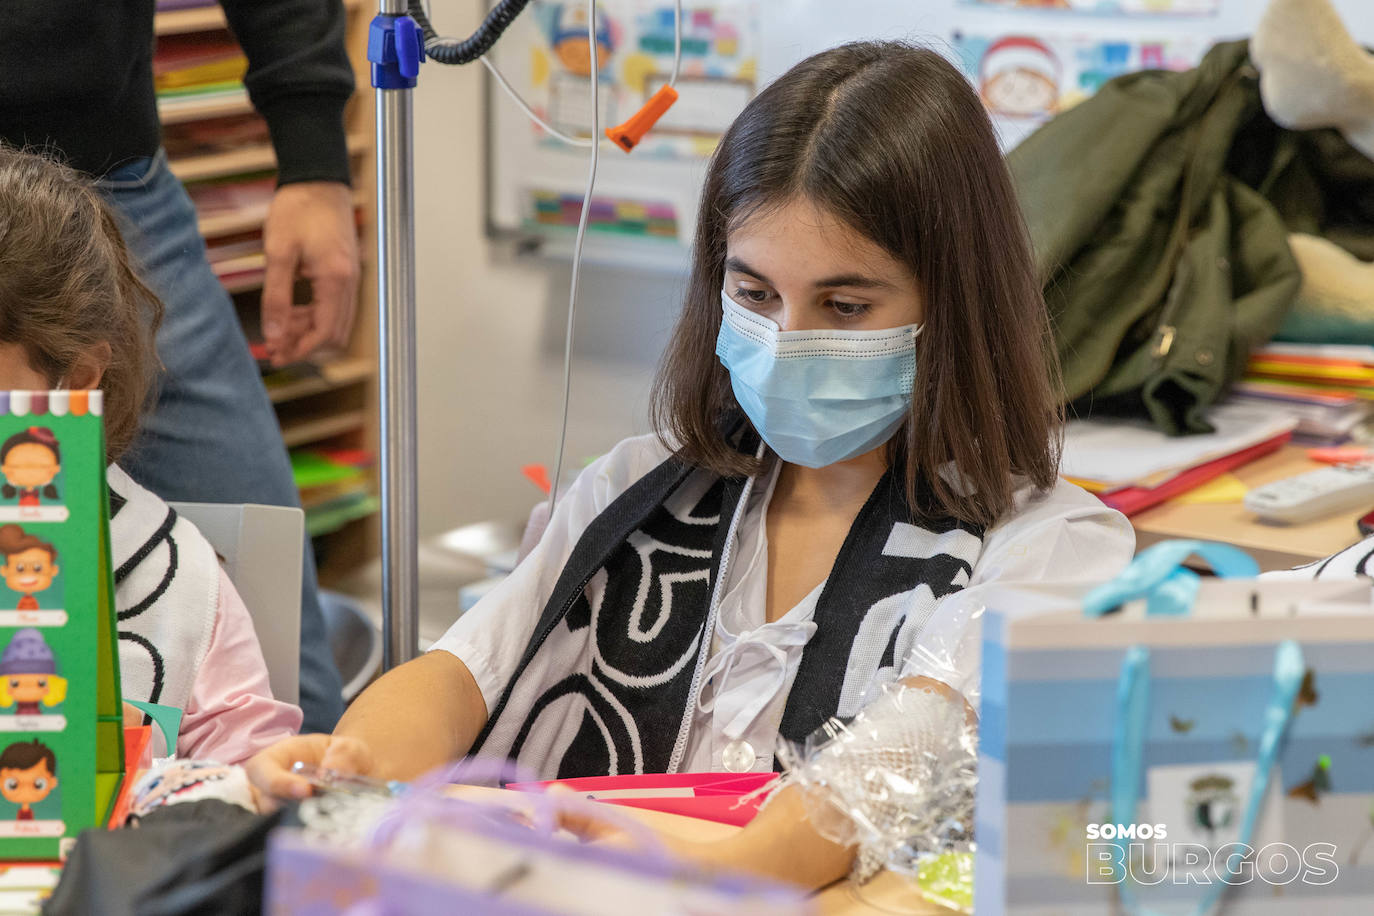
(202, 19)
(331, 404)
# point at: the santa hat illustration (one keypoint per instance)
(1018, 52)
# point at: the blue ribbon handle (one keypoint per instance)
(1157, 574)
(1128, 746)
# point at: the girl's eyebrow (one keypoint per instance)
(858, 280)
(855, 280)
(733, 263)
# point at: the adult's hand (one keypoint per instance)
(270, 769)
(309, 233)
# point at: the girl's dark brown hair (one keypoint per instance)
(891, 140)
(67, 285)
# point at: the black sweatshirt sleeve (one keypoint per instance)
(299, 78)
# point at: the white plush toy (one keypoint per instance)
(1312, 73)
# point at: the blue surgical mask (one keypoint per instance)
(817, 397)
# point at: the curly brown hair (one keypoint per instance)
(67, 285)
(14, 539)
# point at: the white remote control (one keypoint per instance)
(1314, 494)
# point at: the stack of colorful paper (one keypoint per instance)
(1330, 387)
(335, 487)
(1131, 466)
(197, 67)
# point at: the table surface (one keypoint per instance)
(1274, 546)
(839, 899)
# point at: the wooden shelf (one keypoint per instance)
(258, 158)
(215, 165)
(248, 220)
(338, 402)
(235, 287)
(335, 374)
(315, 429)
(244, 220)
(218, 107)
(196, 19)
(199, 19)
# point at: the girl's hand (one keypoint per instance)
(610, 831)
(270, 770)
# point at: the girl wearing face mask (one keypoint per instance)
(857, 435)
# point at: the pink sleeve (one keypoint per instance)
(232, 715)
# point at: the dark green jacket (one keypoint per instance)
(1160, 210)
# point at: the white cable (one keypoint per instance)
(577, 253)
(515, 97)
(677, 42)
(595, 146)
(583, 142)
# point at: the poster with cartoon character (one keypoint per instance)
(29, 786)
(30, 579)
(1024, 80)
(1107, 7)
(30, 472)
(30, 686)
(61, 724)
(634, 41)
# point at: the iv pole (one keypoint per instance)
(396, 47)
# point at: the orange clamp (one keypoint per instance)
(627, 135)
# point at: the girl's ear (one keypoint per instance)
(90, 367)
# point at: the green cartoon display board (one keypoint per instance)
(61, 733)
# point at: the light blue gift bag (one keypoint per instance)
(1173, 744)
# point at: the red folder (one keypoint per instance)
(708, 796)
(136, 741)
(1133, 500)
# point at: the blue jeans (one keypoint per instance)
(212, 436)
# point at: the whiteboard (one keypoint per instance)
(1025, 60)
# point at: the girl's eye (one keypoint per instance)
(849, 309)
(754, 296)
(43, 683)
(14, 685)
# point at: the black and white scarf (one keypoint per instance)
(626, 631)
(166, 578)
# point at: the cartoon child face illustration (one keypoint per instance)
(28, 774)
(30, 564)
(29, 462)
(28, 674)
(571, 45)
(1020, 78)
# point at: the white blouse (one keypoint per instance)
(1064, 536)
